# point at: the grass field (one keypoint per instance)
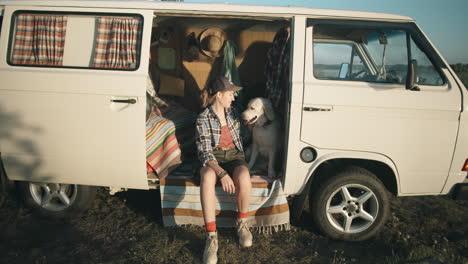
(127, 228)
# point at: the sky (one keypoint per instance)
(444, 22)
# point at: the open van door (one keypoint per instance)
(377, 92)
(76, 116)
(356, 98)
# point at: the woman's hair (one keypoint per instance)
(206, 98)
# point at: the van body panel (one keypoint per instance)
(219, 9)
(456, 175)
(324, 155)
(415, 129)
(294, 117)
(60, 124)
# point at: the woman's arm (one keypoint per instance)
(206, 157)
(215, 166)
(204, 148)
(203, 142)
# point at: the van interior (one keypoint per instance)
(189, 51)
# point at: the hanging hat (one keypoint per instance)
(212, 41)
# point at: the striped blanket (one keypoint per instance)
(183, 119)
(166, 127)
(180, 202)
(162, 148)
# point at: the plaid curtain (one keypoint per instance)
(117, 43)
(39, 39)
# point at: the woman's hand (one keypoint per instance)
(228, 184)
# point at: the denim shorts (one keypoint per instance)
(230, 159)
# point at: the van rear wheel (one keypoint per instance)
(352, 205)
(55, 199)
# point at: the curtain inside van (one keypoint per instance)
(39, 39)
(117, 43)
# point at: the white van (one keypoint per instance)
(370, 105)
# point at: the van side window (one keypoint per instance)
(369, 55)
(426, 72)
(75, 40)
(336, 60)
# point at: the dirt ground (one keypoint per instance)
(127, 228)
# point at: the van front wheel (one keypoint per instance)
(351, 205)
(55, 199)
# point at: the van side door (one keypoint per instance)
(356, 99)
(72, 99)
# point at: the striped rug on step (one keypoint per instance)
(180, 202)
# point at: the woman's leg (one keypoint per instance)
(207, 193)
(207, 197)
(241, 177)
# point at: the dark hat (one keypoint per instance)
(222, 84)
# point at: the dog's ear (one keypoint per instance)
(268, 107)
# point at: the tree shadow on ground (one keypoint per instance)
(28, 237)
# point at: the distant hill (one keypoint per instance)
(462, 72)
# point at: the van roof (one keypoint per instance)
(218, 8)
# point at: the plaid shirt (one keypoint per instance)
(208, 133)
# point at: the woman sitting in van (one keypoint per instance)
(222, 158)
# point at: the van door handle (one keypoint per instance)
(127, 101)
(314, 109)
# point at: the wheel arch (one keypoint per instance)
(380, 165)
(328, 164)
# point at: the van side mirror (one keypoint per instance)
(343, 70)
(411, 76)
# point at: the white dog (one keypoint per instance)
(260, 116)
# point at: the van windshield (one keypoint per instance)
(369, 54)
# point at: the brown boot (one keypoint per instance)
(211, 248)
(245, 237)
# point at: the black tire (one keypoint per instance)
(331, 211)
(80, 198)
